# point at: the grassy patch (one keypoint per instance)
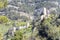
(26, 33)
(1, 4)
(21, 23)
(4, 28)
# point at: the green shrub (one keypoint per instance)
(21, 23)
(18, 35)
(1, 36)
(48, 29)
(3, 3)
(51, 28)
(3, 19)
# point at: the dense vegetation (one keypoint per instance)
(23, 34)
(3, 3)
(18, 36)
(3, 19)
(46, 29)
(1, 36)
(49, 29)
